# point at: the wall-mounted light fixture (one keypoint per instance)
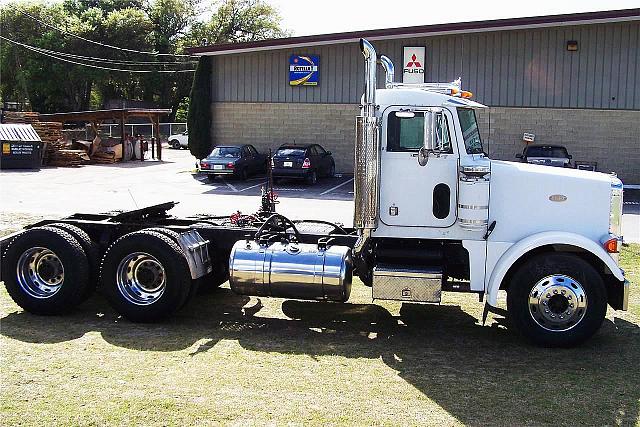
(572, 45)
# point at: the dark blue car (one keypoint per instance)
(239, 161)
(308, 162)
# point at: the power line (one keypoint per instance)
(111, 61)
(36, 50)
(98, 43)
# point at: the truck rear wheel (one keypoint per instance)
(91, 251)
(145, 276)
(557, 300)
(45, 271)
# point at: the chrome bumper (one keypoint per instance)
(625, 295)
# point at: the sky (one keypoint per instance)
(331, 16)
(305, 17)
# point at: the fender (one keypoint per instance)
(542, 239)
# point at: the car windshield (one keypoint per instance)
(470, 131)
(228, 152)
(559, 152)
(290, 152)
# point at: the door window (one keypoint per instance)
(407, 134)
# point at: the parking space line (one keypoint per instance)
(229, 185)
(336, 187)
(253, 186)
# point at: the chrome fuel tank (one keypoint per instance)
(291, 270)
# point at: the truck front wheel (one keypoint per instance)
(145, 276)
(45, 271)
(557, 300)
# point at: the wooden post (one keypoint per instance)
(122, 135)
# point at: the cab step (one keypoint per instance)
(407, 283)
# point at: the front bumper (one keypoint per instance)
(625, 295)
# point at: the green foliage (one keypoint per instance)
(183, 110)
(239, 21)
(199, 117)
(163, 26)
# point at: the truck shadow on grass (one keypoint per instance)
(480, 375)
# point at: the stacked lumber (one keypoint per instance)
(68, 158)
(103, 158)
(21, 117)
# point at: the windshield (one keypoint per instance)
(229, 152)
(290, 152)
(559, 152)
(470, 131)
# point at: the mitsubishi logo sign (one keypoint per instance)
(413, 70)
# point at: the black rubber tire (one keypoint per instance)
(312, 178)
(90, 249)
(74, 262)
(332, 171)
(170, 256)
(175, 144)
(244, 174)
(545, 265)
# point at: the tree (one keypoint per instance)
(199, 116)
(239, 21)
(161, 26)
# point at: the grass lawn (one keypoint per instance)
(228, 359)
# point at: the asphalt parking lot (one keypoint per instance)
(339, 187)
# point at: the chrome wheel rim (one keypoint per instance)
(40, 272)
(141, 278)
(557, 303)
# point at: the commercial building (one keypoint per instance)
(571, 79)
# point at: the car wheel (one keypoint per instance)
(45, 270)
(175, 144)
(332, 170)
(312, 178)
(557, 300)
(244, 174)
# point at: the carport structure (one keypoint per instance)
(121, 115)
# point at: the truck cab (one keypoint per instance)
(449, 218)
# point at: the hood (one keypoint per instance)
(526, 199)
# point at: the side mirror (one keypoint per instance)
(519, 156)
(430, 144)
(569, 157)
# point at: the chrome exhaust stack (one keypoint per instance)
(366, 174)
(389, 71)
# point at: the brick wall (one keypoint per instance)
(611, 138)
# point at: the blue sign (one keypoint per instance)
(303, 70)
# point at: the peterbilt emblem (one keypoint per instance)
(557, 197)
(406, 293)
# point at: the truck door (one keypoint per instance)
(412, 195)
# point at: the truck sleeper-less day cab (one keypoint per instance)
(432, 214)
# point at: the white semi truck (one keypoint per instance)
(433, 214)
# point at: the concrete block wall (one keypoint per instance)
(268, 125)
(611, 138)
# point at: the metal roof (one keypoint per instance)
(15, 133)
(420, 31)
